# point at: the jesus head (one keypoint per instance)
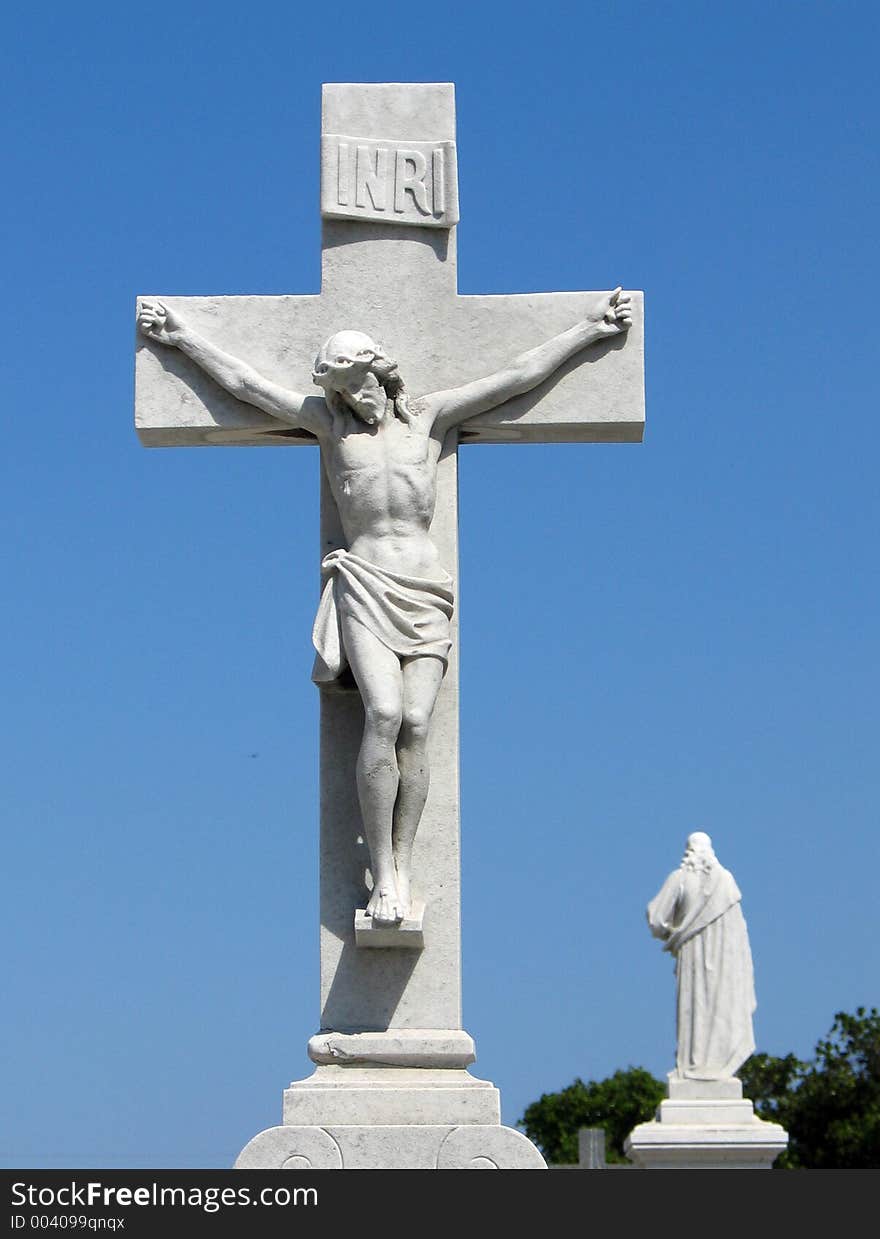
(357, 374)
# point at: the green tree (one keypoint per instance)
(617, 1104)
(829, 1106)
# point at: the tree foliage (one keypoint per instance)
(830, 1106)
(617, 1104)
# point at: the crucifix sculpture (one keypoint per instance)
(388, 601)
(551, 367)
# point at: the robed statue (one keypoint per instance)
(698, 916)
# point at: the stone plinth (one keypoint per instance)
(390, 1096)
(357, 1112)
(377, 1147)
(706, 1125)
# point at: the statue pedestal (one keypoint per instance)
(423, 1112)
(705, 1125)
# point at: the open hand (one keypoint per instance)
(157, 322)
(615, 313)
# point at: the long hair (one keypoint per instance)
(699, 855)
(385, 370)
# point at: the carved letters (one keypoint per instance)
(412, 183)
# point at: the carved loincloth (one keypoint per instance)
(409, 614)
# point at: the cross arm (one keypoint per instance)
(169, 328)
(610, 317)
(597, 395)
(268, 342)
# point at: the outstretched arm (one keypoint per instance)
(610, 318)
(166, 326)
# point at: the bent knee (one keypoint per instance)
(415, 724)
(384, 717)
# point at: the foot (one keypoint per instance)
(385, 906)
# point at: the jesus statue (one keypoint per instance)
(698, 917)
(387, 601)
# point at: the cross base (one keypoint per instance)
(356, 1112)
(390, 1096)
(397, 1047)
(394, 1147)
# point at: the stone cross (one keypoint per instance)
(389, 202)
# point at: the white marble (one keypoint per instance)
(698, 917)
(388, 1147)
(400, 284)
(411, 1096)
(393, 182)
(705, 1123)
(291, 1148)
(407, 934)
(405, 369)
(401, 1047)
(706, 1134)
(388, 598)
(678, 1089)
(368, 990)
(488, 1148)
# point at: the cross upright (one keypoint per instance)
(391, 1044)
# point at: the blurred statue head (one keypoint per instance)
(698, 853)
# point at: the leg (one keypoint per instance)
(380, 680)
(421, 684)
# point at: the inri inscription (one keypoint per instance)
(397, 182)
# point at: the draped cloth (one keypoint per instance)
(409, 614)
(699, 918)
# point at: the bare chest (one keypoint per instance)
(381, 451)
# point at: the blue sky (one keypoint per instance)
(655, 638)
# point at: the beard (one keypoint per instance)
(368, 405)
